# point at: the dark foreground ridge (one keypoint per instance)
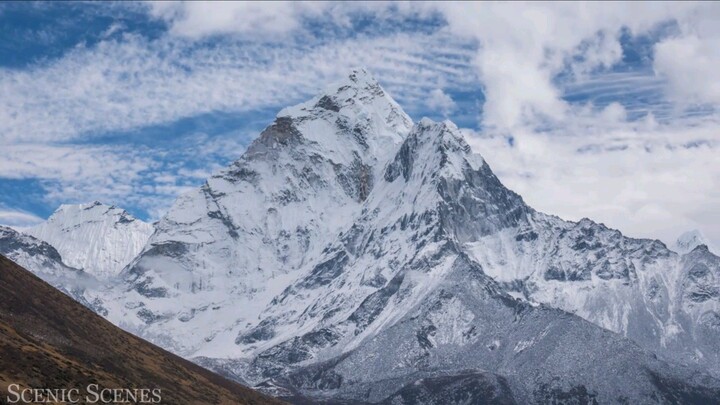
(47, 340)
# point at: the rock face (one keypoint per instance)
(351, 255)
(96, 238)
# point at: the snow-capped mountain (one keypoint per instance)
(240, 239)
(30, 252)
(349, 253)
(45, 262)
(630, 286)
(96, 238)
(689, 240)
(79, 250)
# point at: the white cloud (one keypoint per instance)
(524, 46)
(130, 82)
(86, 163)
(614, 113)
(440, 101)
(692, 67)
(201, 18)
(690, 59)
(652, 183)
(640, 93)
(18, 219)
(75, 173)
(265, 21)
(125, 175)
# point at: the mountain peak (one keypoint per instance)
(96, 207)
(12, 241)
(436, 148)
(98, 238)
(357, 96)
(362, 75)
(358, 79)
(690, 240)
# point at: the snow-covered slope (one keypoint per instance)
(349, 252)
(630, 286)
(96, 238)
(45, 262)
(79, 250)
(30, 252)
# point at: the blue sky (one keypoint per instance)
(606, 111)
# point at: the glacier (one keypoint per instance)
(97, 238)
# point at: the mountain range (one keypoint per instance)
(353, 255)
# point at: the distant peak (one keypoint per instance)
(82, 206)
(6, 230)
(362, 76)
(445, 131)
(689, 241)
(74, 214)
(93, 205)
(426, 122)
(444, 125)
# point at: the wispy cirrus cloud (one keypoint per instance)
(121, 85)
(145, 177)
(522, 47)
(592, 83)
(76, 123)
